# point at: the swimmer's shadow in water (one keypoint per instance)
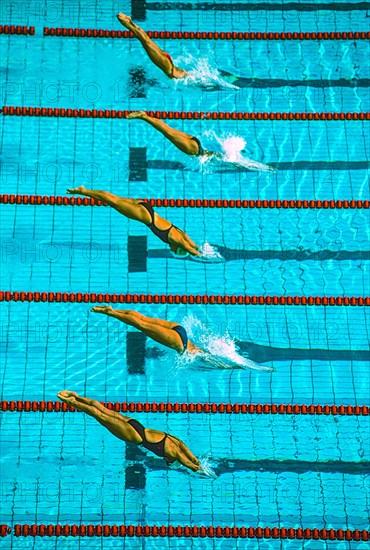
(139, 83)
(223, 169)
(266, 354)
(154, 353)
(230, 254)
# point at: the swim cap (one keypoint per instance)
(181, 252)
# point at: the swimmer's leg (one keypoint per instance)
(85, 404)
(157, 329)
(180, 139)
(154, 52)
(114, 422)
(131, 208)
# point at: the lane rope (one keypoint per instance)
(53, 200)
(9, 110)
(17, 29)
(102, 33)
(179, 531)
(79, 297)
(193, 408)
(186, 35)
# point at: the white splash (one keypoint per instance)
(201, 73)
(220, 350)
(209, 253)
(206, 468)
(233, 146)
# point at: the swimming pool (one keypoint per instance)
(285, 470)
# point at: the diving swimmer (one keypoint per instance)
(162, 59)
(141, 211)
(172, 335)
(204, 76)
(191, 145)
(186, 143)
(162, 444)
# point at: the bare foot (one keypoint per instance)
(137, 114)
(77, 190)
(102, 309)
(67, 396)
(125, 20)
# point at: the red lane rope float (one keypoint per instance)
(182, 115)
(102, 33)
(16, 29)
(186, 531)
(193, 408)
(5, 530)
(40, 200)
(79, 297)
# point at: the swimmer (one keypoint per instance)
(191, 145)
(162, 444)
(186, 143)
(162, 59)
(141, 211)
(166, 333)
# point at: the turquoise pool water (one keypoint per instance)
(289, 471)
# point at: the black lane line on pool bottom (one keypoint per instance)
(135, 477)
(230, 254)
(137, 252)
(244, 6)
(235, 255)
(294, 165)
(265, 83)
(224, 465)
(295, 466)
(137, 164)
(135, 352)
(138, 10)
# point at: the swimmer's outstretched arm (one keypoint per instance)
(186, 243)
(154, 52)
(180, 139)
(206, 357)
(183, 454)
(193, 250)
(190, 243)
(185, 461)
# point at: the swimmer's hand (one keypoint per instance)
(206, 468)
